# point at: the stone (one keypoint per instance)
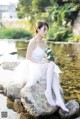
(77, 118)
(26, 116)
(9, 65)
(73, 107)
(34, 100)
(5, 79)
(9, 104)
(18, 107)
(1, 89)
(13, 90)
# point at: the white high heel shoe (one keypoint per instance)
(62, 106)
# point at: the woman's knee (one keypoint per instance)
(51, 64)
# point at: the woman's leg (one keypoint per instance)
(48, 92)
(56, 89)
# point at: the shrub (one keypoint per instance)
(58, 33)
(74, 38)
(14, 33)
(66, 13)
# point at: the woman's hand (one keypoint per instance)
(45, 60)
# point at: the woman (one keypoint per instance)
(37, 68)
(36, 54)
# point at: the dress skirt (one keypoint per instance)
(30, 72)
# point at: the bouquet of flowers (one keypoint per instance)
(49, 54)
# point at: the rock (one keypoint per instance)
(13, 90)
(73, 107)
(6, 73)
(18, 107)
(1, 89)
(26, 116)
(5, 79)
(77, 118)
(9, 65)
(9, 104)
(51, 116)
(72, 56)
(34, 100)
(13, 53)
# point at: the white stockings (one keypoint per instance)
(48, 92)
(52, 84)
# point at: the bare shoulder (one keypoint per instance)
(32, 41)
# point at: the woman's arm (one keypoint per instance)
(30, 48)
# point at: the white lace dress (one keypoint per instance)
(29, 72)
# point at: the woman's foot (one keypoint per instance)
(49, 98)
(62, 105)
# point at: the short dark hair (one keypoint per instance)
(41, 24)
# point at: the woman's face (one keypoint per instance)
(43, 31)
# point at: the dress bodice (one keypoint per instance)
(38, 53)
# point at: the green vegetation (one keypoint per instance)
(74, 38)
(65, 14)
(58, 33)
(62, 21)
(60, 14)
(31, 7)
(14, 33)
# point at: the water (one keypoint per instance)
(7, 47)
(12, 50)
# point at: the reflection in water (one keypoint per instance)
(21, 48)
(3, 108)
